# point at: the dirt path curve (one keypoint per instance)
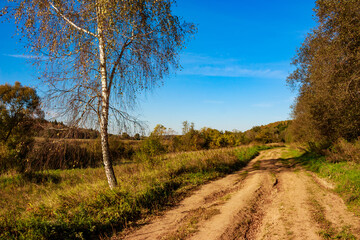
(268, 199)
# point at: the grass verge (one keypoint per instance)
(345, 175)
(77, 204)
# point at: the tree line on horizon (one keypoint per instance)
(58, 146)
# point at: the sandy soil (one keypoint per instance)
(266, 200)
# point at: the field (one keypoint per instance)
(77, 203)
(259, 198)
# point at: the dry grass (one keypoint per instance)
(71, 204)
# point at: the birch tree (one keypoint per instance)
(96, 55)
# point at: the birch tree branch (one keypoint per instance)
(70, 22)
(117, 62)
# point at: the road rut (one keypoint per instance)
(268, 199)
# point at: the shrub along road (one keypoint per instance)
(272, 198)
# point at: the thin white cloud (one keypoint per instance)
(22, 56)
(191, 58)
(229, 67)
(233, 71)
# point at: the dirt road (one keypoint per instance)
(269, 199)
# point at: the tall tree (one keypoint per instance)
(328, 76)
(96, 55)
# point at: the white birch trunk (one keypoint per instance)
(104, 115)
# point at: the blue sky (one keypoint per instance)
(234, 69)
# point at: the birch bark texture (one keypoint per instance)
(95, 56)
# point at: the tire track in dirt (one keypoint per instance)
(240, 216)
(221, 225)
(266, 200)
(304, 207)
(289, 216)
(207, 196)
(336, 219)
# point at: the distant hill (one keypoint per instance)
(272, 132)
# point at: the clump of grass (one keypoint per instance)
(291, 153)
(328, 231)
(190, 225)
(77, 204)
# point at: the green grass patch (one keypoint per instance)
(291, 153)
(328, 231)
(77, 204)
(345, 176)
